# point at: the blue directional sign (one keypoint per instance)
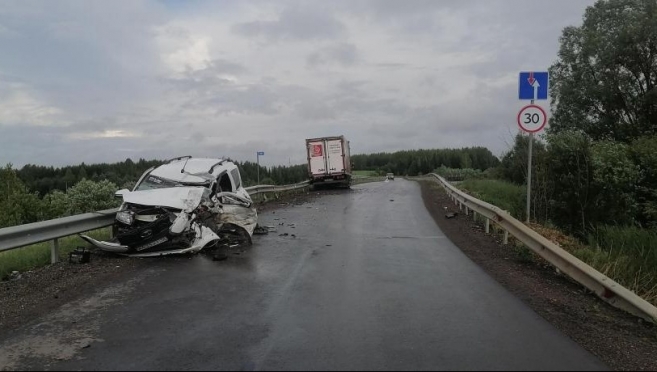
(261, 153)
(533, 85)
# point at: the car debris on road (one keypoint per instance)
(182, 206)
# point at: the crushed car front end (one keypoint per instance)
(175, 218)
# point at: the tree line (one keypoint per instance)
(44, 180)
(415, 162)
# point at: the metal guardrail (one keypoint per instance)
(260, 189)
(603, 286)
(23, 235)
(32, 233)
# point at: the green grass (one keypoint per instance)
(364, 173)
(626, 254)
(502, 194)
(34, 256)
(356, 181)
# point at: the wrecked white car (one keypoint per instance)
(182, 206)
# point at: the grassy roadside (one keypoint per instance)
(505, 195)
(364, 173)
(38, 255)
(356, 181)
(628, 255)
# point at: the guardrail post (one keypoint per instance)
(466, 210)
(487, 226)
(474, 216)
(54, 251)
(506, 238)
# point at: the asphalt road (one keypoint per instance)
(368, 283)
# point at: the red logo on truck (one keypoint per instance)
(317, 151)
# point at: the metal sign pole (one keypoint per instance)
(532, 118)
(529, 174)
(258, 163)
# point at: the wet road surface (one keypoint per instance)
(368, 283)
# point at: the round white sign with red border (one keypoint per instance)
(532, 118)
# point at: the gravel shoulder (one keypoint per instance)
(620, 340)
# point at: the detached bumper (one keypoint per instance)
(105, 246)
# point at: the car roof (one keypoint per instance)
(171, 170)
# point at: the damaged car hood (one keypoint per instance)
(183, 198)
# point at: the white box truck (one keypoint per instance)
(329, 162)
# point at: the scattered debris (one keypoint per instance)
(392, 199)
(15, 275)
(283, 234)
(451, 215)
(294, 236)
(329, 245)
(79, 255)
(259, 230)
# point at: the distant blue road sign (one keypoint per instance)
(533, 85)
(261, 152)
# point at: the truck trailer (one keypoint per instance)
(329, 162)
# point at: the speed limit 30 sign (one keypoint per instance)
(532, 118)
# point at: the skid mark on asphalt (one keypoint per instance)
(61, 335)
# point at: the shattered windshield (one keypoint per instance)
(153, 182)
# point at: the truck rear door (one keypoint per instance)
(335, 160)
(317, 158)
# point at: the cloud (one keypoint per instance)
(104, 134)
(303, 22)
(343, 53)
(19, 106)
(98, 82)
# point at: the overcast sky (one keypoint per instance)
(102, 81)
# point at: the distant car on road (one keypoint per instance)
(390, 176)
